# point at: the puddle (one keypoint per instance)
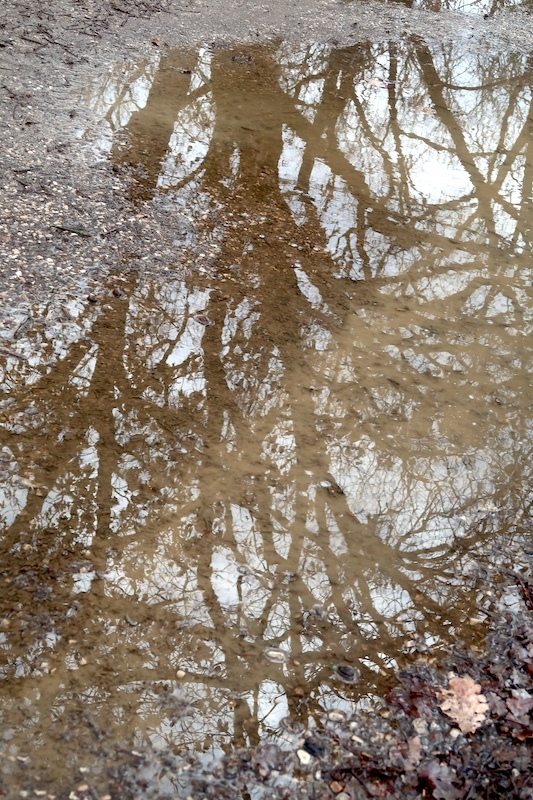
(250, 487)
(475, 8)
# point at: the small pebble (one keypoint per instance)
(317, 611)
(346, 674)
(304, 756)
(180, 674)
(203, 319)
(276, 654)
(336, 716)
(289, 577)
(314, 746)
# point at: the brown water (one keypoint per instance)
(306, 437)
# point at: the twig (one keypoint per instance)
(11, 354)
(523, 584)
(33, 41)
(112, 230)
(69, 229)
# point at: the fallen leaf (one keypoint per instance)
(406, 755)
(439, 778)
(496, 704)
(464, 703)
(520, 704)
(522, 733)
(505, 754)
(415, 752)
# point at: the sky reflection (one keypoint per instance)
(306, 437)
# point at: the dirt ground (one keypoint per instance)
(413, 747)
(47, 50)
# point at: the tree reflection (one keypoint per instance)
(305, 443)
(487, 8)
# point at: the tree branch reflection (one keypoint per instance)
(304, 443)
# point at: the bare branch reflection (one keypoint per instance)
(299, 442)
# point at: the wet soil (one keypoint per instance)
(265, 420)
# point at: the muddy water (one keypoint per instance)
(248, 488)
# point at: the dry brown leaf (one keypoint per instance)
(464, 703)
(496, 704)
(406, 755)
(415, 752)
(520, 704)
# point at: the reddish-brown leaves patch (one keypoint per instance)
(464, 703)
